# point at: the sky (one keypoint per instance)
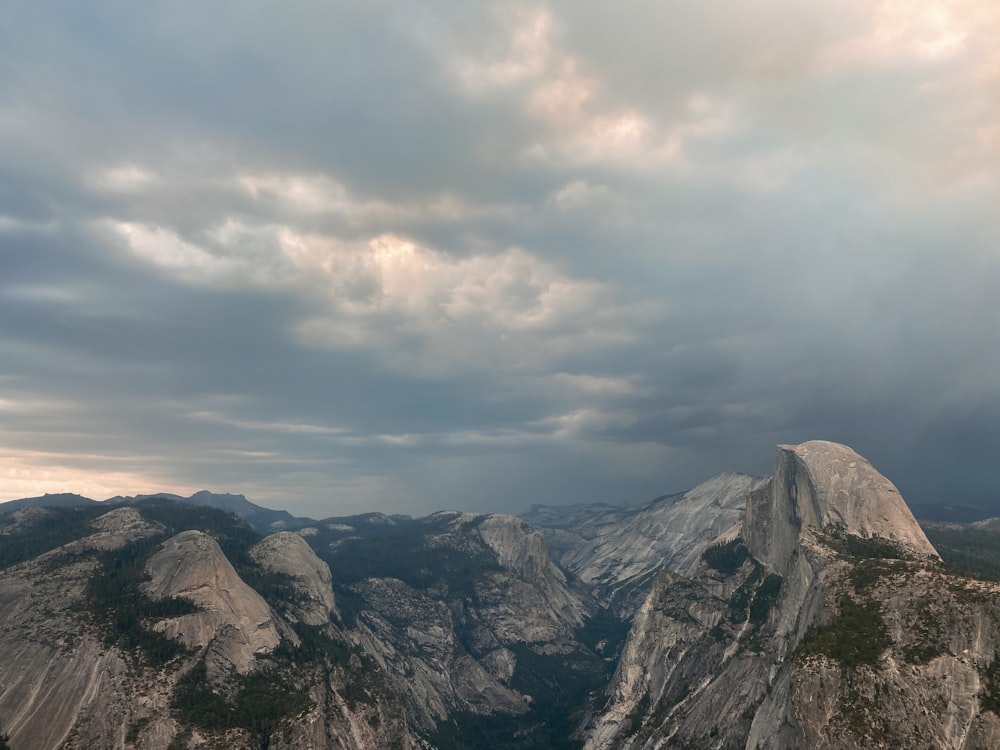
(407, 256)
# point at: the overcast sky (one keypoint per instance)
(345, 256)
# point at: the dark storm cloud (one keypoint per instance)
(448, 255)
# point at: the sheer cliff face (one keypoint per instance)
(820, 484)
(834, 626)
(524, 559)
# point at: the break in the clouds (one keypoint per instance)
(407, 256)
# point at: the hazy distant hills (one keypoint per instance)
(583, 521)
(257, 516)
(953, 512)
(59, 500)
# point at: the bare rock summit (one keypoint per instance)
(290, 554)
(819, 484)
(234, 620)
(825, 621)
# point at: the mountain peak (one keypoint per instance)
(820, 484)
(192, 566)
(48, 500)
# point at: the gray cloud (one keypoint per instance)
(412, 257)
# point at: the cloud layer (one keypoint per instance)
(409, 257)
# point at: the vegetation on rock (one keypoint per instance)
(856, 636)
(44, 531)
(927, 636)
(726, 558)
(559, 694)
(849, 545)
(764, 599)
(989, 698)
(114, 593)
(968, 551)
(259, 702)
(404, 550)
(124, 613)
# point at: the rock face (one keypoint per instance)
(821, 484)
(619, 549)
(413, 639)
(291, 555)
(455, 614)
(833, 626)
(804, 611)
(69, 679)
(116, 529)
(934, 685)
(59, 685)
(234, 619)
(450, 630)
(522, 554)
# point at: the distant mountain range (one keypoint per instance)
(259, 517)
(59, 500)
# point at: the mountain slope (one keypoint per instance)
(264, 520)
(464, 612)
(618, 550)
(55, 500)
(829, 622)
(191, 566)
(142, 632)
(808, 610)
(154, 623)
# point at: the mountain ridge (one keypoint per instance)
(789, 606)
(803, 628)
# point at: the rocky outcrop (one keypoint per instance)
(619, 549)
(821, 484)
(808, 610)
(533, 583)
(67, 682)
(414, 641)
(59, 685)
(932, 685)
(116, 529)
(234, 620)
(450, 646)
(290, 555)
(338, 723)
(833, 626)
